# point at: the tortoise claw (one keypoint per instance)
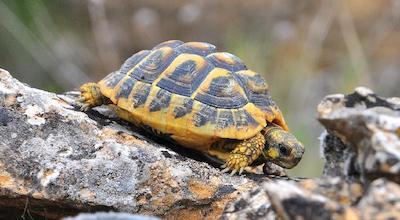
(226, 170)
(234, 164)
(85, 107)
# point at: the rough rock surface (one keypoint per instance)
(361, 148)
(364, 131)
(56, 161)
(110, 216)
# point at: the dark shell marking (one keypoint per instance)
(140, 92)
(186, 78)
(256, 90)
(153, 65)
(225, 119)
(133, 61)
(243, 118)
(125, 88)
(206, 114)
(186, 108)
(160, 101)
(113, 79)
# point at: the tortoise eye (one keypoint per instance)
(283, 150)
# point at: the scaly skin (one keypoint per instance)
(244, 154)
(91, 96)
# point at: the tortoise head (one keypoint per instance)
(281, 147)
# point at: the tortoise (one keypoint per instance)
(202, 99)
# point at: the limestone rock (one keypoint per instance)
(361, 149)
(303, 199)
(253, 204)
(110, 216)
(381, 201)
(363, 135)
(56, 161)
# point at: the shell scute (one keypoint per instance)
(199, 48)
(125, 88)
(226, 61)
(222, 91)
(140, 92)
(160, 101)
(225, 119)
(153, 65)
(256, 89)
(243, 119)
(170, 44)
(183, 109)
(133, 61)
(185, 74)
(205, 114)
(112, 79)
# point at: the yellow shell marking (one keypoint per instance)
(226, 57)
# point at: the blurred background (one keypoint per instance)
(305, 49)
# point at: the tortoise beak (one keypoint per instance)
(297, 154)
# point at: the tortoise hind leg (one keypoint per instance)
(91, 96)
(245, 153)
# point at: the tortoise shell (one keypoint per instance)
(192, 93)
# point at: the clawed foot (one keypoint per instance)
(235, 163)
(90, 96)
(84, 106)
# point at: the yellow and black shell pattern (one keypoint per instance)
(192, 93)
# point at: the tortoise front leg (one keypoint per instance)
(244, 153)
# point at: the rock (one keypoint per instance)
(361, 150)
(293, 202)
(363, 135)
(335, 154)
(303, 199)
(381, 201)
(110, 216)
(253, 204)
(56, 161)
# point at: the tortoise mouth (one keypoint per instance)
(288, 164)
